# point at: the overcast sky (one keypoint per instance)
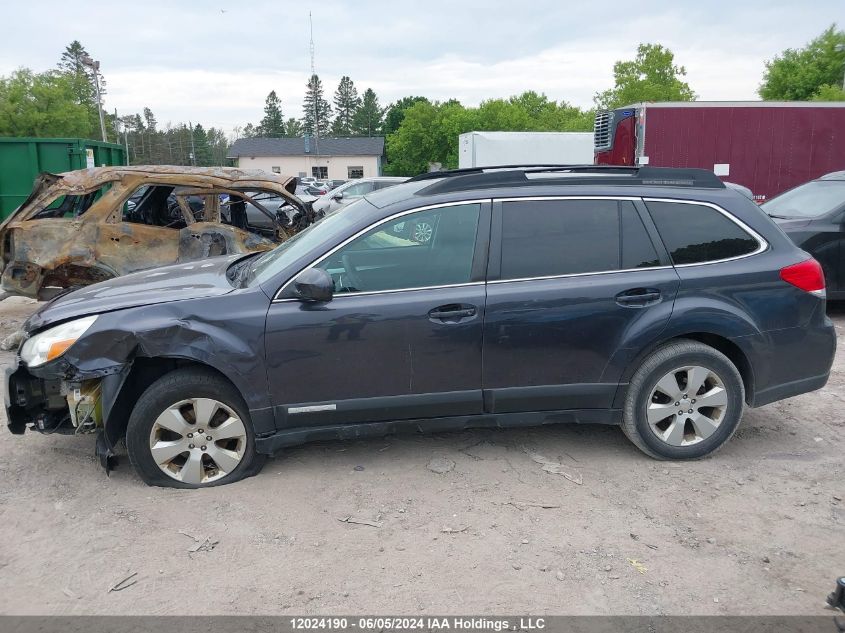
(215, 62)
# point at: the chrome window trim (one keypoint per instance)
(391, 291)
(400, 214)
(567, 275)
(534, 198)
(762, 244)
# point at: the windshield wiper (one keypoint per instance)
(783, 217)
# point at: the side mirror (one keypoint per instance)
(314, 285)
(338, 196)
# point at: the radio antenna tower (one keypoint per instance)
(311, 46)
(314, 88)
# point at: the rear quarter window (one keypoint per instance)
(695, 233)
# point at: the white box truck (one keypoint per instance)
(484, 149)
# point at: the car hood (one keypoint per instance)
(189, 280)
(789, 224)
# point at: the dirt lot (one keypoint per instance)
(756, 529)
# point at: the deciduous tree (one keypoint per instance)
(800, 74)
(396, 112)
(41, 104)
(651, 76)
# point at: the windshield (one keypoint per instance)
(810, 200)
(323, 231)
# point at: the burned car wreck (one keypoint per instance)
(86, 226)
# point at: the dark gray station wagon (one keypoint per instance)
(655, 299)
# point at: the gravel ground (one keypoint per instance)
(455, 524)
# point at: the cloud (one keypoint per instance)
(215, 62)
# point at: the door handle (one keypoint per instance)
(452, 311)
(639, 297)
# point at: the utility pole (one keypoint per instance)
(840, 48)
(193, 150)
(95, 66)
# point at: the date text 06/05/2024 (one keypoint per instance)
(419, 623)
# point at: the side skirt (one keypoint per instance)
(269, 444)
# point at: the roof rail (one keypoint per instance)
(525, 175)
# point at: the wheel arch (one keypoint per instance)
(721, 343)
(142, 373)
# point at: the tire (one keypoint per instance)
(168, 416)
(680, 434)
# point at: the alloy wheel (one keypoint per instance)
(687, 405)
(423, 232)
(198, 440)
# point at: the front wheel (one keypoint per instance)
(191, 429)
(684, 402)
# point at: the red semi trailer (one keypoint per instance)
(767, 146)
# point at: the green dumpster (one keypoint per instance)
(22, 159)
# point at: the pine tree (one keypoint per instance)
(293, 127)
(200, 147)
(346, 102)
(367, 119)
(71, 65)
(317, 120)
(273, 123)
(82, 78)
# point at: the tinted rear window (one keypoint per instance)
(694, 233)
(544, 238)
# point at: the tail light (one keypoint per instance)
(807, 275)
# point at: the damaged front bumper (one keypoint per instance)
(45, 400)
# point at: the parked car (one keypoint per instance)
(86, 226)
(813, 216)
(655, 299)
(307, 193)
(353, 190)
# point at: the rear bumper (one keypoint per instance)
(789, 389)
(791, 361)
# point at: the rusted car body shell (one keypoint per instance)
(98, 245)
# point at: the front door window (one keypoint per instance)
(419, 250)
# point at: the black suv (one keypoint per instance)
(651, 298)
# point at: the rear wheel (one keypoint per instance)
(684, 402)
(191, 429)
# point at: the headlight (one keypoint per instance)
(54, 342)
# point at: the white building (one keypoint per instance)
(333, 158)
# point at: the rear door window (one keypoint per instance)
(547, 238)
(695, 233)
(154, 205)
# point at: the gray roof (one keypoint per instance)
(260, 146)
